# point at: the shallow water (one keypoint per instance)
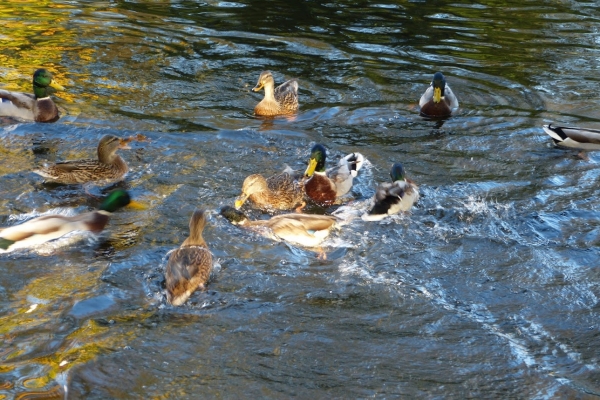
(488, 289)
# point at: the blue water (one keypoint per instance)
(487, 289)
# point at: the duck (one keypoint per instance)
(278, 192)
(391, 198)
(326, 186)
(280, 100)
(438, 100)
(190, 265)
(108, 168)
(38, 107)
(307, 230)
(49, 227)
(579, 138)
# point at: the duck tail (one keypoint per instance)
(355, 162)
(556, 132)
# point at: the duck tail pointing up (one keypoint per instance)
(355, 162)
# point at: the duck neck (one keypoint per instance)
(269, 91)
(40, 92)
(112, 159)
(195, 239)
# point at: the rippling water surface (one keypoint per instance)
(488, 289)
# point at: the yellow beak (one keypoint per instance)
(312, 164)
(56, 86)
(239, 202)
(437, 95)
(257, 87)
(136, 205)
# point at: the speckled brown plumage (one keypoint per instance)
(278, 192)
(279, 100)
(190, 265)
(109, 167)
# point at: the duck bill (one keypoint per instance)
(257, 87)
(56, 86)
(239, 202)
(437, 95)
(136, 205)
(312, 165)
(124, 144)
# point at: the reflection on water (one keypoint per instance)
(487, 289)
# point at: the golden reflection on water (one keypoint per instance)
(114, 61)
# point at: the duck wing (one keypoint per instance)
(186, 263)
(18, 105)
(281, 183)
(450, 98)
(80, 171)
(286, 95)
(187, 270)
(49, 227)
(305, 222)
(20, 100)
(426, 97)
(342, 174)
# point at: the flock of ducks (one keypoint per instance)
(189, 266)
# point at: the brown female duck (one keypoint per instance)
(278, 192)
(190, 265)
(108, 168)
(279, 100)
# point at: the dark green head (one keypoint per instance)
(234, 216)
(439, 82)
(397, 172)
(42, 79)
(318, 154)
(115, 200)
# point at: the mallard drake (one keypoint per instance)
(391, 198)
(278, 192)
(325, 186)
(49, 227)
(189, 266)
(279, 100)
(38, 107)
(579, 138)
(438, 100)
(302, 229)
(109, 167)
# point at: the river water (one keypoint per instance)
(488, 289)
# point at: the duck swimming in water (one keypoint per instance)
(38, 107)
(326, 186)
(307, 230)
(190, 265)
(49, 227)
(578, 138)
(108, 168)
(391, 198)
(438, 100)
(280, 100)
(278, 192)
